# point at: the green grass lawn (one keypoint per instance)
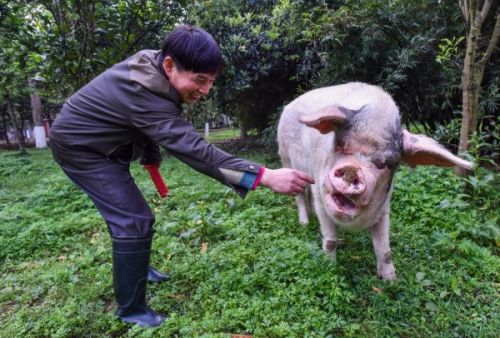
(247, 266)
(225, 134)
(222, 134)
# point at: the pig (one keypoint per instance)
(350, 139)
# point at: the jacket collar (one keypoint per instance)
(145, 69)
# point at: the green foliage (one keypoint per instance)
(82, 39)
(485, 143)
(448, 49)
(245, 266)
(395, 44)
(270, 52)
(20, 59)
(273, 51)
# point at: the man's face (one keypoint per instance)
(190, 86)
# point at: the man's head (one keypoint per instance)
(191, 60)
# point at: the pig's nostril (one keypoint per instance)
(339, 173)
(350, 175)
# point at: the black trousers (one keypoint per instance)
(109, 184)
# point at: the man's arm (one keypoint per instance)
(181, 140)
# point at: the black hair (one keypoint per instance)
(193, 49)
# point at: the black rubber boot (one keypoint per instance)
(155, 276)
(130, 272)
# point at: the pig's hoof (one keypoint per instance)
(330, 249)
(304, 220)
(387, 273)
(331, 255)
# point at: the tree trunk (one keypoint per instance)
(243, 130)
(5, 128)
(473, 70)
(467, 92)
(15, 124)
(36, 108)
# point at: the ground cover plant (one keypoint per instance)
(248, 267)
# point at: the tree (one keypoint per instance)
(17, 60)
(271, 51)
(475, 13)
(83, 38)
(36, 107)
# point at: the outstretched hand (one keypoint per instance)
(286, 181)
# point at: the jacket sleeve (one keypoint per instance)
(179, 137)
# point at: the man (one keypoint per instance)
(127, 111)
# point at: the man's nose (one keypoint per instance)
(205, 89)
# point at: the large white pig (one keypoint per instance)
(349, 138)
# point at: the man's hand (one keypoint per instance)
(151, 154)
(151, 160)
(286, 181)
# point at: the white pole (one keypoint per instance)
(206, 129)
(40, 137)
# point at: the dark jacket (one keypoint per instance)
(133, 103)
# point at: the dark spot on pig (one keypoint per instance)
(387, 258)
(392, 160)
(348, 112)
(343, 132)
(331, 245)
(396, 139)
(340, 142)
(393, 148)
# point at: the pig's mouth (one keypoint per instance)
(344, 205)
(343, 202)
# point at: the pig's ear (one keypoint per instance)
(326, 119)
(422, 150)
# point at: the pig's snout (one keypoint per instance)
(348, 180)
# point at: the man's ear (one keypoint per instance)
(168, 65)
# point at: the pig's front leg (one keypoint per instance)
(380, 239)
(301, 206)
(328, 232)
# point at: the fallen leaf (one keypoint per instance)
(377, 290)
(240, 336)
(204, 248)
(177, 297)
(419, 276)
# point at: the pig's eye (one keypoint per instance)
(380, 164)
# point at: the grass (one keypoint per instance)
(224, 134)
(216, 135)
(247, 266)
